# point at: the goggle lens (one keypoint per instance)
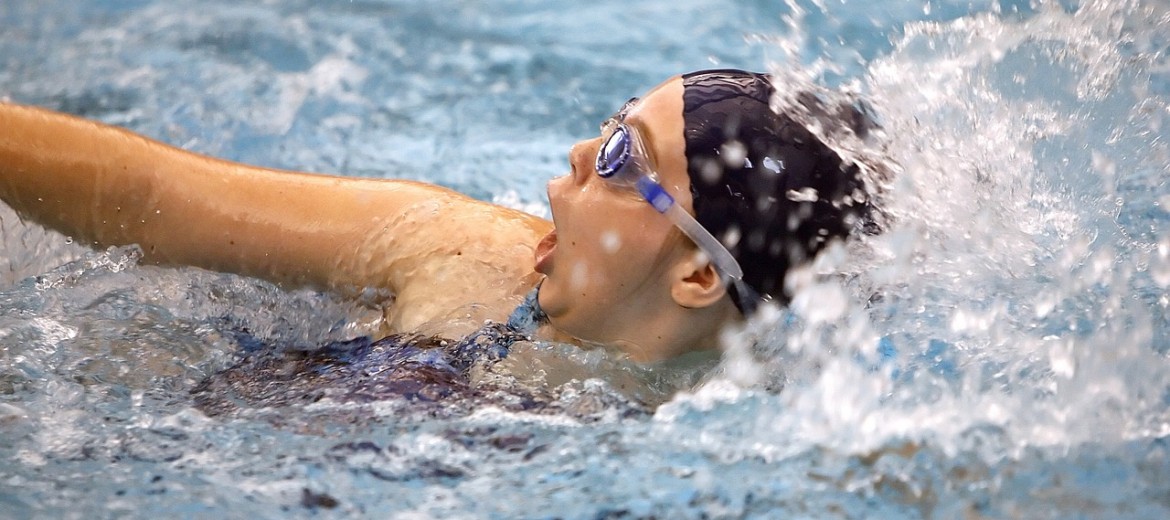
(614, 152)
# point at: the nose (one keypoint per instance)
(581, 167)
(581, 157)
(579, 164)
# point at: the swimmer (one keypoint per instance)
(682, 216)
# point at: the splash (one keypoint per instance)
(999, 351)
(1018, 287)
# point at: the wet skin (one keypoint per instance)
(614, 262)
(614, 272)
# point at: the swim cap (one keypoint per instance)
(770, 190)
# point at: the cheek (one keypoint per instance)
(597, 261)
(604, 238)
(631, 234)
(619, 255)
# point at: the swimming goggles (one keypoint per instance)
(622, 161)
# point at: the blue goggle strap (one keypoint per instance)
(662, 202)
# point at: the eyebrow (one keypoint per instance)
(620, 115)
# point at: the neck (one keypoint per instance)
(676, 332)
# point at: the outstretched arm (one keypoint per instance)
(108, 186)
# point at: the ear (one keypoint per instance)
(695, 283)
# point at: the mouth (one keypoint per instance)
(542, 255)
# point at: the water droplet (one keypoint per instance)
(611, 241)
(711, 172)
(756, 240)
(578, 276)
(763, 203)
(1062, 360)
(731, 236)
(1045, 304)
(1103, 164)
(1160, 265)
(701, 258)
(821, 303)
(734, 153)
(773, 165)
(805, 194)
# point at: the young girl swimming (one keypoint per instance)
(681, 217)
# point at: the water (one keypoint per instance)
(999, 352)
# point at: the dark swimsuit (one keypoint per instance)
(401, 366)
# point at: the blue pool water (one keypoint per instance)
(1000, 352)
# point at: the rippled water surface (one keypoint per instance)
(1000, 352)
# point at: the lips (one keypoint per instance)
(542, 255)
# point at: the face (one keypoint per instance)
(606, 265)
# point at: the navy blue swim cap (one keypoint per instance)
(769, 189)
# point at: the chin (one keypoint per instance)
(555, 312)
(549, 302)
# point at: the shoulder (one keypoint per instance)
(449, 255)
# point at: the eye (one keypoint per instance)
(614, 152)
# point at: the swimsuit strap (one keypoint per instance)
(528, 315)
(493, 341)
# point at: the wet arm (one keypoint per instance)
(108, 186)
